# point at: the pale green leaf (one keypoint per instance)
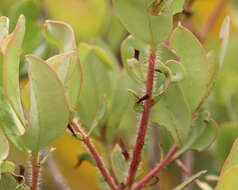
(101, 112)
(194, 60)
(11, 62)
(173, 113)
(69, 71)
(49, 112)
(98, 81)
(202, 134)
(119, 164)
(4, 23)
(9, 122)
(61, 35)
(177, 6)
(7, 167)
(232, 159)
(135, 15)
(229, 180)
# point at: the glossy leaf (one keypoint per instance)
(61, 35)
(232, 159)
(194, 60)
(69, 71)
(136, 17)
(11, 58)
(229, 180)
(190, 180)
(49, 113)
(119, 164)
(4, 146)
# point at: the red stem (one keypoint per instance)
(153, 172)
(95, 155)
(35, 172)
(140, 140)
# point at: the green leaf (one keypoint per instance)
(202, 134)
(11, 62)
(119, 164)
(4, 23)
(49, 112)
(9, 122)
(224, 36)
(7, 182)
(229, 180)
(98, 81)
(4, 146)
(173, 113)
(193, 58)
(85, 156)
(190, 180)
(177, 6)
(7, 167)
(61, 35)
(102, 183)
(135, 15)
(102, 109)
(68, 68)
(232, 159)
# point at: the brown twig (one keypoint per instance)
(212, 19)
(152, 173)
(140, 139)
(109, 180)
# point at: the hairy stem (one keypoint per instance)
(97, 158)
(212, 18)
(35, 172)
(152, 173)
(140, 139)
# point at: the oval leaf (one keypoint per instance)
(195, 62)
(49, 113)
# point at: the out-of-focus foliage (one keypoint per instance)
(105, 107)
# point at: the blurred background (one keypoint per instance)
(94, 21)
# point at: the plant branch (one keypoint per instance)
(97, 158)
(140, 139)
(212, 19)
(152, 173)
(35, 171)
